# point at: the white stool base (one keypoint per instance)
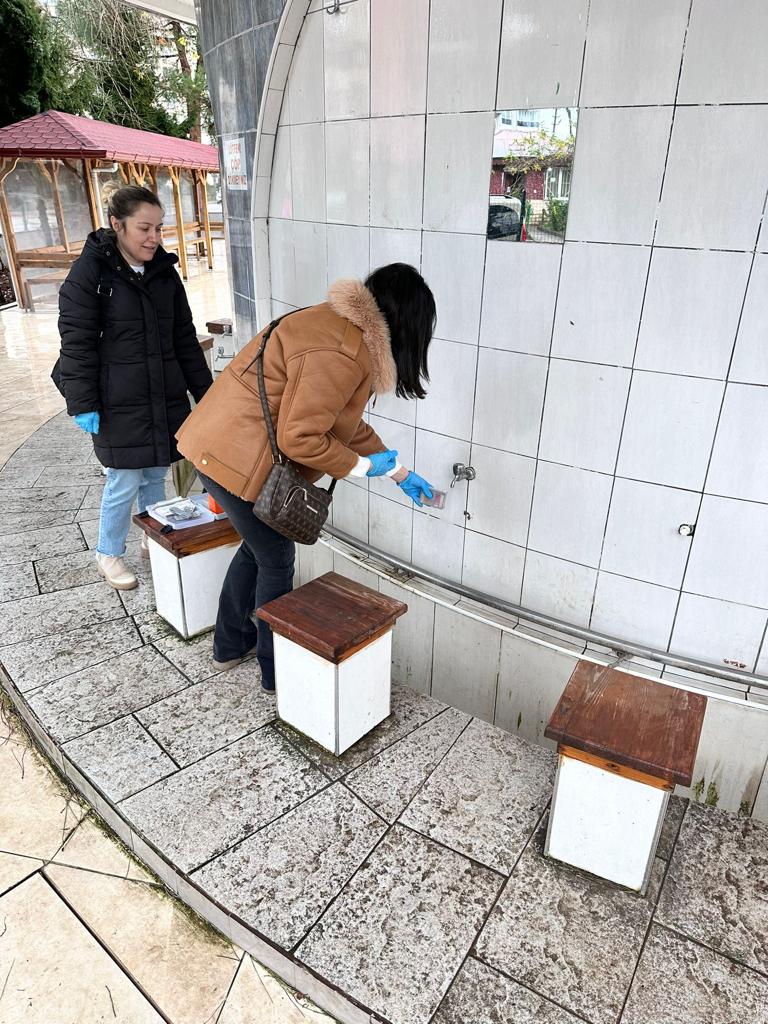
(187, 589)
(335, 705)
(604, 823)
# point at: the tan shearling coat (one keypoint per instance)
(321, 366)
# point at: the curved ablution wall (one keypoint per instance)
(604, 375)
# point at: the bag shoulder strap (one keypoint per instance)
(277, 455)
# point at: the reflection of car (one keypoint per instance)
(504, 217)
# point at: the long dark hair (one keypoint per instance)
(408, 305)
(125, 201)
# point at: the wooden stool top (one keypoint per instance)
(332, 616)
(643, 725)
(192, 540)
(222, 326)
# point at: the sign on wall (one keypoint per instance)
(234, 164)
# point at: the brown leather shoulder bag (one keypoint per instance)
(287, 502)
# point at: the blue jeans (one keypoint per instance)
(261, 570)
(123, 487)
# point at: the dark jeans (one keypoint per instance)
(261, 570)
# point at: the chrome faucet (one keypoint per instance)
(462, 472)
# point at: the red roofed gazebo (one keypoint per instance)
(53, 168)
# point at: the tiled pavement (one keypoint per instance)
(87, 935)
(407, 875)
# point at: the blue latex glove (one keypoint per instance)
(88, 421)
(381, 462)
(414, 486)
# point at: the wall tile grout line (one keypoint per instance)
(640, 327)
(551, 341)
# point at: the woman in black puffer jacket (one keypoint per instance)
(129, 355)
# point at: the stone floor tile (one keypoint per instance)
(87, 515)
(14, 868)
(679, 982)
(17, 475)
(91, 847)
(152, 626)
(192, 657)
(53, 460)
(257, 996)
(37, 812)
(211, 714)
(409, 710)
(34, 662)
(389, 781)
(54, 970)
(23, 500)
(11, 524)
(573, 938)
(186, 969)
(716, 890)
(56, 613)
(481, 994)
(17, 581)
(93, 495)
(671, 827)
(76, 472)
(486, 797)
(281, 880)
(202, 810)
(141, 598)
(26, 546)
(74, 705)
(63, 572)
(121, 758)
(399, 931)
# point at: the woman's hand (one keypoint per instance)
(382, 462)
(88, 421)
(415, 486)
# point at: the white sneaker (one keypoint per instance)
(115, 572)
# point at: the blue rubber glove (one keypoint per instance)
(381, 462)
(88, 421)
(414, 486)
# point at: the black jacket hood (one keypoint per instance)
(103, 244)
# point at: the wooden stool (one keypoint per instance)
(623, 743)
(188, 570)
(333, 658)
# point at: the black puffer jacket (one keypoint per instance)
(129, 351)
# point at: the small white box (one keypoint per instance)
(187, 588)
(333, 658)
(335, 705)
(604, 823)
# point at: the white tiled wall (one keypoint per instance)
(606, 391)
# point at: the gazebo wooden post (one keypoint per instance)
(90, 191)
(152, 175)
(124, 174)
(6, 167)
(202, 177)
(180, 233)
(57, 205)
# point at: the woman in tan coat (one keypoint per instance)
(321, 366)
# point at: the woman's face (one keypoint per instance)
(140, 234)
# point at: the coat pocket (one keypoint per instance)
(229, 478)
